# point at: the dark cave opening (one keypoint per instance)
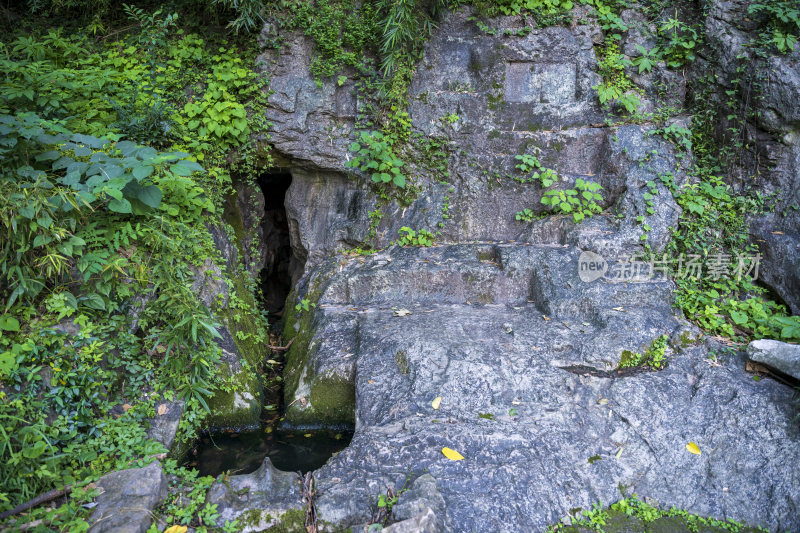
(279, 262)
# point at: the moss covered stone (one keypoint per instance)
(312, 400)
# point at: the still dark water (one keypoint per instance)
(243, 453)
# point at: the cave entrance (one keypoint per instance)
(280, 263)
(290, 450)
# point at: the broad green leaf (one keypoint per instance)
(120, 206)
(739, 317)
(180, 170)
(149, 196)
(94, 301)
(32, 452)
(8, 323)
(142, 172)
(127, 148)
(113, 192)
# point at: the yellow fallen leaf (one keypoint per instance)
(176, 529)
(126, 406)
(162, 409)
(436, 402)
(619, 453)
(693, 448)
(452, 454)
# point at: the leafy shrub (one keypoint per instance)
(678, 41)
(53, 180)
(375, 156)
(617, 87)
(781, 22)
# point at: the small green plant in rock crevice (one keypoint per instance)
(581, 201)
(410, 237)
(653, 357)
(531, 166)
(526, 215)
(617, 87)
(375, 157)
(304, 305)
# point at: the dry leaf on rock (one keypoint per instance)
(452, 454)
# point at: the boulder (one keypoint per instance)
(127, 500)
(771, 162)
(262, 500)
(779, 355)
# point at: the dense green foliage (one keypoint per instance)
(114, 153)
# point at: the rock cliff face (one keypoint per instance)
(496, 319)
(771, 133)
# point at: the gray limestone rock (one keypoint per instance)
(779, 355)
(423, 495)
(550, 392)
(164, 426)
(261, 500)
(127, 500)
(423, 522)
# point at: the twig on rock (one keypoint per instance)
(280, 348)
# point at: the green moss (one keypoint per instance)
(331, 402)
(686, 339)
(628, 358)
(292, 521)
(253, 517)
(239, 407)
(401, 360)
(484, 298)
(297, 329)
(248, 333)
